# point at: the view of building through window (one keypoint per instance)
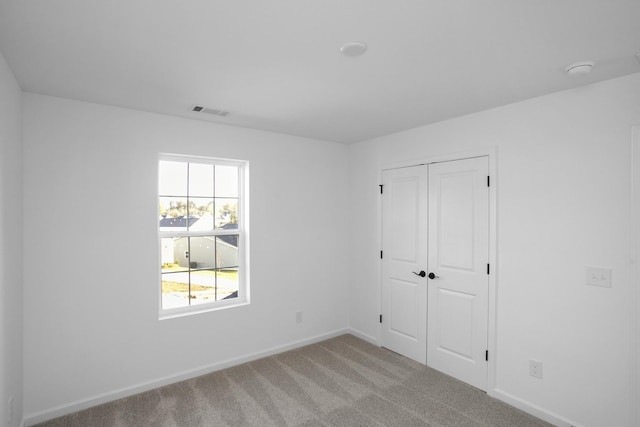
(200, 231)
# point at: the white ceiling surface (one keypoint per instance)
(276, 64)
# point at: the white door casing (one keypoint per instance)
(635, 268)
(404, 293)
(458, 236)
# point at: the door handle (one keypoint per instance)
(433, 276)
(421, 274)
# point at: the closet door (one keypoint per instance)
(458, 236)
(404, 261)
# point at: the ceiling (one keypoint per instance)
(276, 65)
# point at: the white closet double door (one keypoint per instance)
(435, 284)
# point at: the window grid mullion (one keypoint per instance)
(216, 269)
(213, 193)
(188, 238)
(188, 200)
(189, 264)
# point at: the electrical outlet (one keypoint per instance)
(598, 276)
(535, 369)
(299, 316)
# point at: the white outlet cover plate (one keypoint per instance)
(598, 276)
(535, 368)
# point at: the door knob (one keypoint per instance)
(432, 276)
(421, 274)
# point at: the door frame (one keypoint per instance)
(492, 154)
(635, 267)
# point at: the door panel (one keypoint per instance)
(458, 236)
(455, 316)
(404, 294)
(403, 310)
(455, 218)
(403, 211)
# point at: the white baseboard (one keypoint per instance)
(80, 405)
(364, 337)
(532, 409)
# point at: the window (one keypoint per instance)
(202, 227)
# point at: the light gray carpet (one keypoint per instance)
(343, 381)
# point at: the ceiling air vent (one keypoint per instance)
(212, 111)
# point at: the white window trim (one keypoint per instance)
(242, 232)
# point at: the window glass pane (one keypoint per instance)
(172, 178)
(203, 286)
(181, 251)
(200, 180)
(201, 213)
(202, 252)
(169, 256)
(175, 290)
(227, 251)
(173, 214)
(226, 181)
(227, 283)
(226, 213)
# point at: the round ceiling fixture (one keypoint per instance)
(580, 68)
(353, 49)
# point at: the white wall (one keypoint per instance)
(91, 328)
(11, 253)
(563, 183)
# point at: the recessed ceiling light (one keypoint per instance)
(580, 68)
(352, 49)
